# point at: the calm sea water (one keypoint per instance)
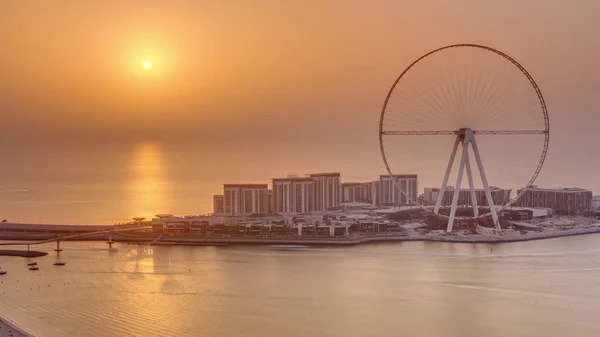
(103, 184)
(539, 288)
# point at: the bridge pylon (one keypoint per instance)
(110, 241)
(58, 250)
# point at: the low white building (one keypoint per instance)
(566, 201)
(500, 196)
(527, 213)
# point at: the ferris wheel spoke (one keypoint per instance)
(510, 132)
(419, 133)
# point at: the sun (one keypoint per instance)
(147, 64)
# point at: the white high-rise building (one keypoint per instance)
(218, 204)
(353, 192)
(328, 193)
(390, 188)
(596, 203)
(374, 190)
(245, 199)
(293, 195)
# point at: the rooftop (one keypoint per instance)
(565, 189)
(399, 175)
(331, 174)
(245, 185)
(451, 188)
(293, 179)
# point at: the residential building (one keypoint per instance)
(245, 199)
(499, 196)
(430, 194)
(270, 201)
(218, 204)
(327, 190)
(353, 192)
(374, 192)
(395, 190)
(565, 201)
(294, 195)
(360, 192)
(596, 203)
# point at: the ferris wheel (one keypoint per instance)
(463, 92)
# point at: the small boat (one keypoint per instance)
(31, 264)
(3, 272)
(59, 263)
(34, 268)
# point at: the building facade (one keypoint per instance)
(395, 190)
(596, 203)
(327, 190)
(565, 201)
(270, 201)
(218, 204)
(374, 191)
(353, 192)
(293, 195)
(245, 199)
(430, 195)
(499, 196)
(361, 192)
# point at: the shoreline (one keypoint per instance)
(326, 241)
(10, 329)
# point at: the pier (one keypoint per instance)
(72, 237)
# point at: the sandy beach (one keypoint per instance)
(10, 330)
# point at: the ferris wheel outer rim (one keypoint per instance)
(544, 114)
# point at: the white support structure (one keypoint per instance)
(461, 169)
(472, 187)
(486, 186)
(466, 137)
(438, 202)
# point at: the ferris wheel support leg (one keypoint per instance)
(442, 191)
(486, 187)
(471, 187)
(461, 168)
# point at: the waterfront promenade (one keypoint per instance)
(354, 239)
(375, 238)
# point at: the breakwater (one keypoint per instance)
(22, 253)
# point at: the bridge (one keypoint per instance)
(75, 236)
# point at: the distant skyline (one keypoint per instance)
(267, 88)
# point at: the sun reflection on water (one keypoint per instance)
(149, 188)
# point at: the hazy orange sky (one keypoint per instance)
(290, 77)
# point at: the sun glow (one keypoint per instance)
(148, 187)
(147, 64)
